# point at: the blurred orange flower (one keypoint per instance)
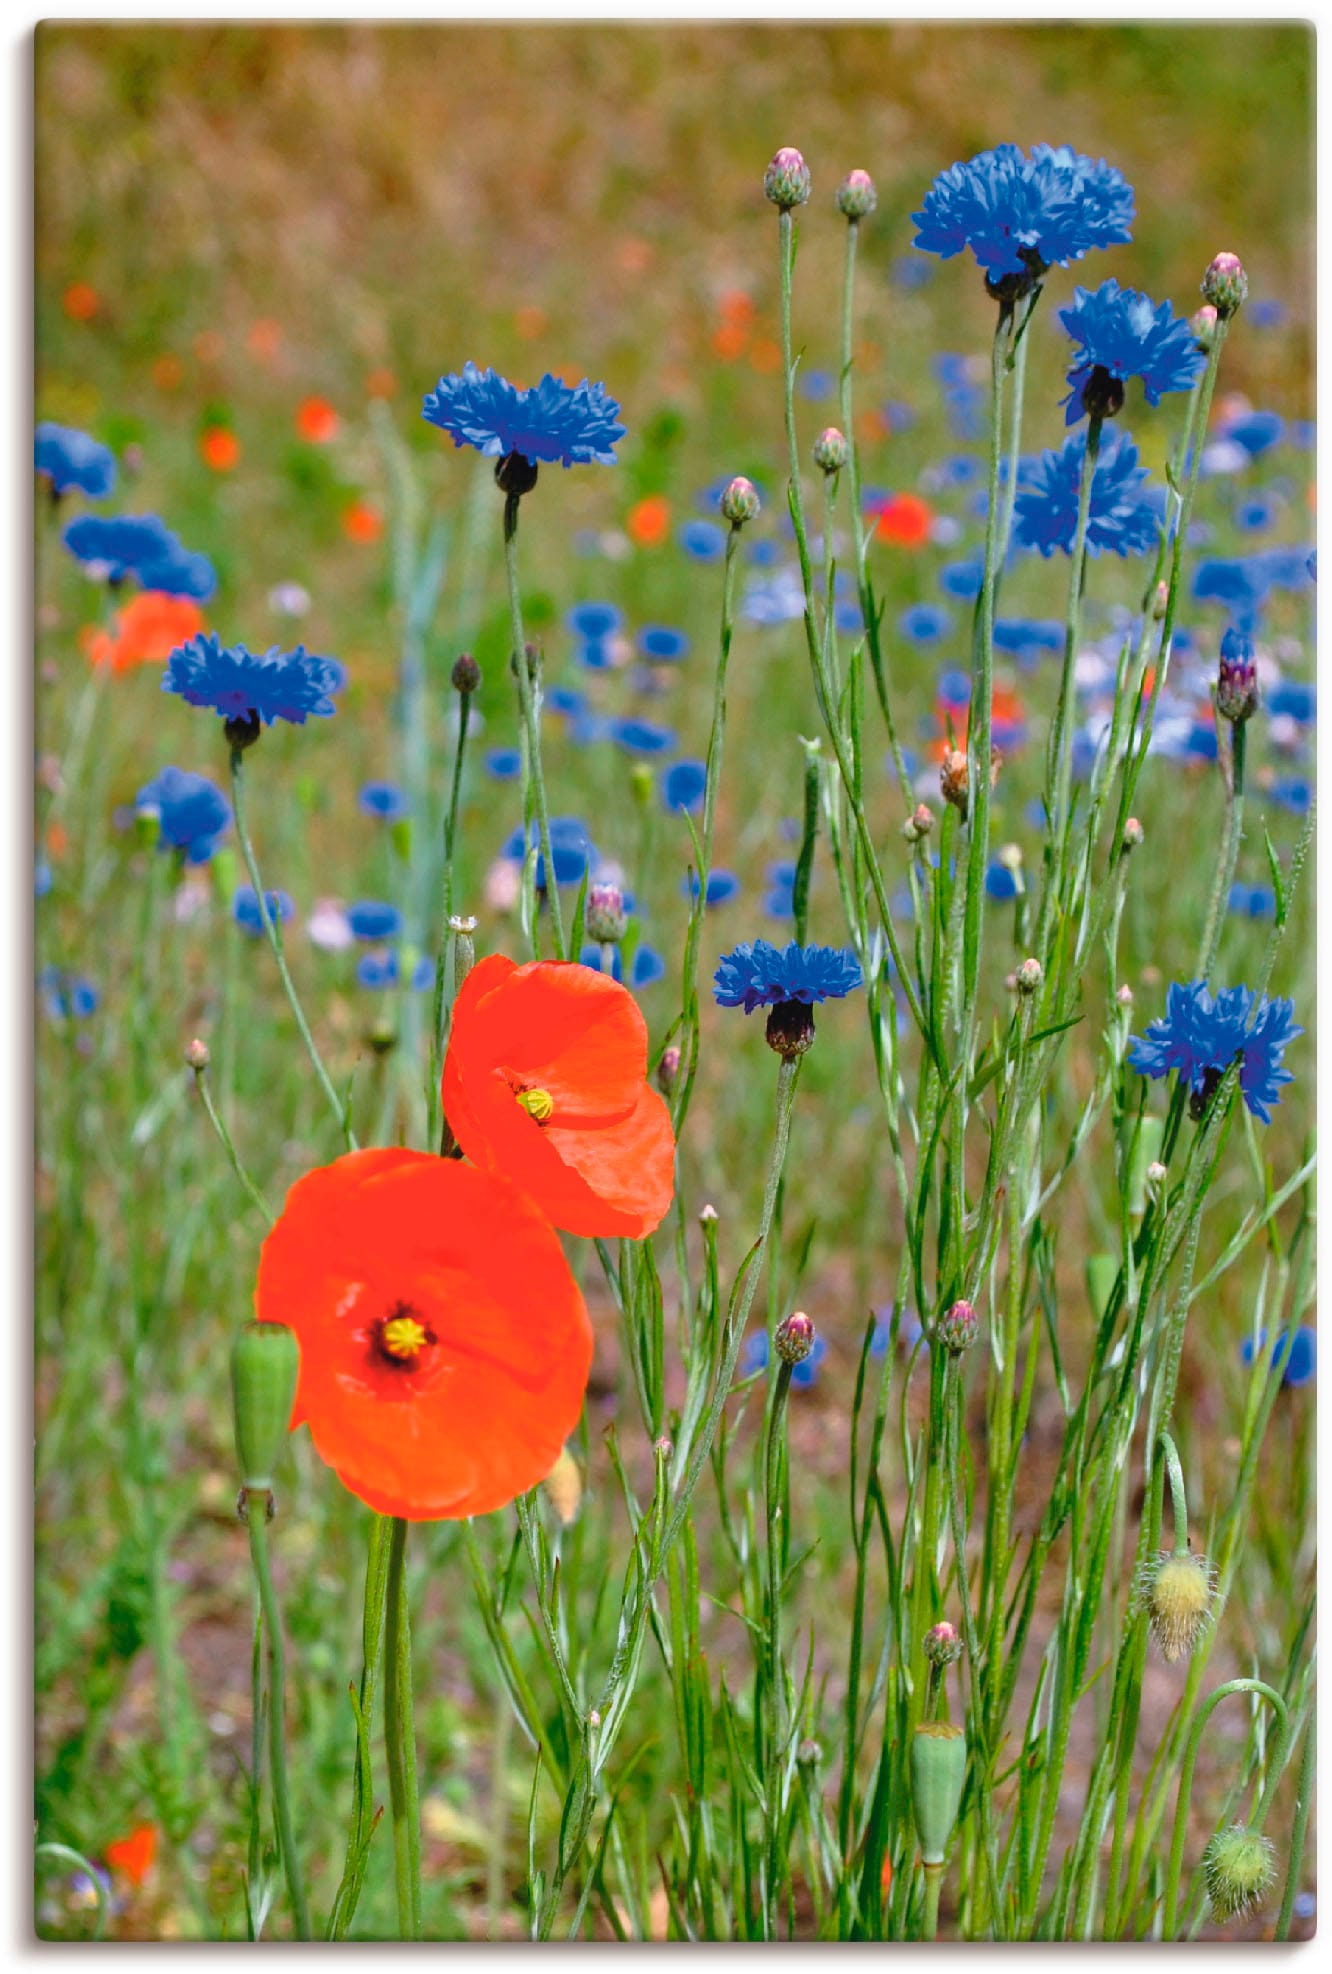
(167, 372)
(361, 522)
(220, 448)
(81, 301)
(649, 523)
(146, 631)
(735, 306)
(634, 255)
(265, 338)
(730, 341)
(381, 383)
(904, 519)
(317, 421)
(133, 1856)
(1006, 710)
(57, 840)
(530, 321)
(765, 356)
(444, 1344)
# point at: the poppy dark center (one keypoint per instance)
(402, 1335)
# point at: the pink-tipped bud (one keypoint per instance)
(466, 673)
(740, 501)
(957, 1328)
(786, 181)
(794, 1337)
(831, 451)
(1134, 834)
(943, 1644)
(197, 1056)
(1237, 678)
(668, 1069)
(856, 196)
(1225, 284)
(919, 823)
(1029, 976)
(1203, 325)
(604, 915)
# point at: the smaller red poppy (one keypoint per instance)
(133, 1855)
(220, 448)
(146, 632)
(649, 523)
(361, 522)
(316, 421)
(444, 1344)
(81, 301)
(545, 1081)
(903, 519)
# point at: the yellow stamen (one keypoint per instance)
(537, 1103)
(403, 1336)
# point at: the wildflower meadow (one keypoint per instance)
(674, 984)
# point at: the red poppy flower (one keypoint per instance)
(361, 522)
(545, 1082)
(444, 1344)
(649, 522)
(133, 1855)
(220, 448)
(147, 631)
(904, 519)
(316, 421)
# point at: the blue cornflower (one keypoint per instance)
(642, 737)
(683, 784)
(1119, 334)
(1241, 585)
(925, 623)
(1252, 901)
(504, 763)
(1256, 431)
(963, 579)
(953, 690)
(722, 886)
(1120, 517)
(1021, 215)
(72, 459)
(1252, 516)
(593, 621)
(43, 879)
(1028, 636)
(142, 546)
(703, 540)
(68, 996)
(373, 920)
(1302, 1363)
(245, 909)
(763, 975)
(1297, 699)
(662, 644)
(385, 800)
(245, 685)
(193, 815)
(1000, 883)
(1291, 792)
(548, 422)
(566, 700)
(1287, 568)
(1200, 1037)
(816, 385)
(780, 901)
(377, 971)
(571, 850)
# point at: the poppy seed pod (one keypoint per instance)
(1238, 1865)
(938, 1770)
(265, 1365)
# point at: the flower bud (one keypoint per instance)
(1178, 1591)
(1029, 976)
(265, 1361)
(466, 673)
(957, 1328)
(1238, 1866)
(1160, 600)
(938, 1770)
(1225, 284)
(831, 451)
(707, 1216)
(919, 823)
(1203, 325)
(1155, 1177)
(809, 1754)
(532, 653)
(953, 777)
(197, 1056)
(242, 730)
(856, 196)
(740, 501)
(786, 181)
(604, 915)
(1237, 678)
(1146, 1150)
(1134, 834)
(943, 1644)
(668, 1069)
(1103, 393)
(794, 1337)
(1124, 995)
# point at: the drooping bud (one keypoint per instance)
(739, 501)
(1029, 976)
(1203, 325)
(786, 181)
(831, 451)
(1238, 1866)
(856, 196)
(938, 1770)
(809, 1754)
(668, 1069)
(1225, 284)
(604, 914)
(943, 1644)
(265, 1362)
(1237, 678)
(794, 1337)
(957, 1328)
(1178, 1589)
(466, 673)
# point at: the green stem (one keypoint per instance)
(400, 1737)
(364, 1814)
(1225, 870)
(1200, 1720)
(225, 1139)
(774, 1683)
(529, 702)
(256, 1516)
(1299, 1829)
(275, 941)
(1178, 1500)
(445, 914)
(929, 1925)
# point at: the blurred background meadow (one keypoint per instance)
(256, 248)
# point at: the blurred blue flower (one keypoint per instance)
(595, 654)
(67, 996)
(1254, 515)
(764, 975)
(817, 385)
(384, 800)
(1124, 333)
(1303, 1355)
(1240, 585)
(703, 540)
(1199, 1037)
(549, 422)
(571, 848)
(1252, 901)
(1120, 517)
(565, 700)
(142, 546)
(1000, 882)
(953, 690)
(722, 886)
(193, 815)
(374, 920)
(663, 644)
(1297, 699)
(683, 784)
(71, 459)
(642, 737)
(1027, 636)
(648, 965)
(925, 623)
(1020, 215)
(1265, 314)
(594, 621)
(1291, 792)
(1256, 431)
(963, 579)
(910, 273)
(245, 909)
(277, 685)
(504, 763)
(43, 878)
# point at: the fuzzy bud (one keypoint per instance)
(1155, 1177)
(1225, 284)
(604, 914)
(1029, 976)
(953, 777)
(668, 1069)
(943, 1644)
(856, 196)
(919, 823)
(1203, 325)
(265, 1362)
(197, 1056)
(1160, 601)
(1178, 1592)
(740, 501)
(794, 1337)
(786, 181)
(1237, 678)
(1134, 834)
(1238, 1866)
(831, 451)
(938, 1770)
(466, 673)
(957, 1328)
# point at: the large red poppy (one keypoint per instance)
(545, 1082)
(444, 1344)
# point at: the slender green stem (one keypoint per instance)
(256, 1517)
(774, 1740)
(1200, 1719)
(445, 914)
(929, 1925)
(364, 1814)
(1178, 1500)
(1299, 1829)
(225, 1139)
(275, 941)
(529, 701)
(400, 1737)
(1225, 869)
